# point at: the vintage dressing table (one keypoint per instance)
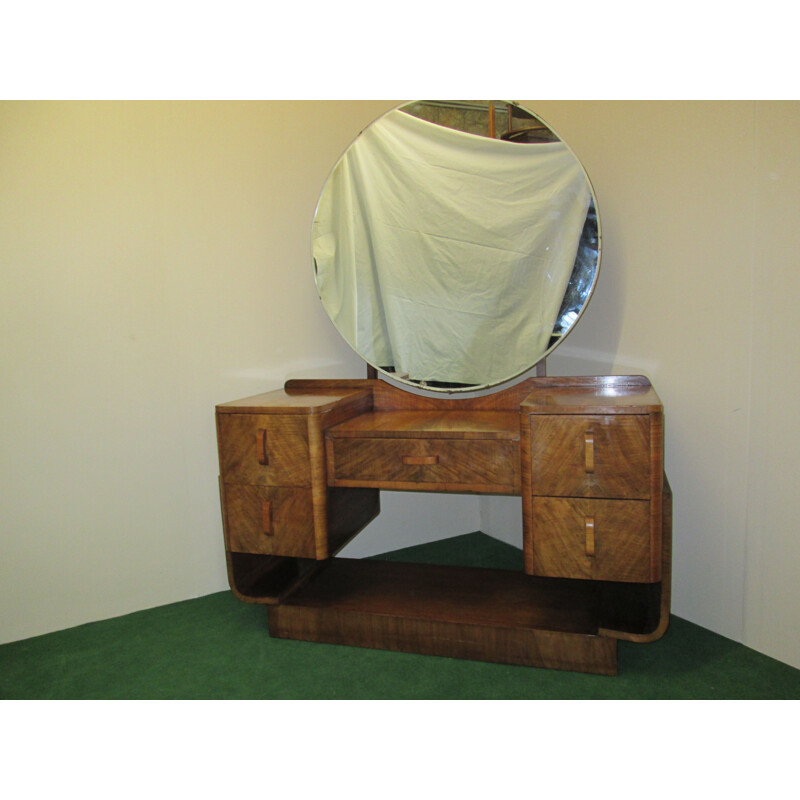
(301, 468)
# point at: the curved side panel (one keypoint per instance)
(664, 596)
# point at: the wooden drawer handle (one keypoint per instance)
(424, 460)
(261, 447)
(589, 525)
(266, 518)
(588, 440)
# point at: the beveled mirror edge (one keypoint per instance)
(422, 388)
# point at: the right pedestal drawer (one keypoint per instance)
(591, 455)
(593, 496)
(602, 540)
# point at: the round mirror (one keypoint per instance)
(456, 244)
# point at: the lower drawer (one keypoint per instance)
(606, 540)
(269, 520)
(474, 465)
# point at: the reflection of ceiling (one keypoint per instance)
(473, 116)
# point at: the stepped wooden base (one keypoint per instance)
(481, 614)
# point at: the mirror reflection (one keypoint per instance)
(456, 243)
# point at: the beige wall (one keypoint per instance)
(154, 260)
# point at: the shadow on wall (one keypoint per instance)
(583, 361)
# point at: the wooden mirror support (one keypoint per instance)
(301, 470)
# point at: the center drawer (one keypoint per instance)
(474, 465)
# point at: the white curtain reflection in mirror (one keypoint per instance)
(444, 256)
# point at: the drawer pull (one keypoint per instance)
(588, 439)
(266, 518)
(589, 523)
(420, 460)
(261, 447)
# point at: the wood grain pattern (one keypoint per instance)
(601, 394)
(620, 539)
(290, 520)
(430, 425)
(389, 398)
(616, 462)
(321, 397)
(266, 579)
(530, 647)
(302, 467)
(420, 461)
(482, 614)
(261, 449)
(324, 511)
(283, 450)
(319, 480)
(468, 451)
(658, 487)
(482, 465)
(526, 488)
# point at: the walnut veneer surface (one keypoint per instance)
(300, 474)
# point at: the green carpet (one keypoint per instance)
(217, 647)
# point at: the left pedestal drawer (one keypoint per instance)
(269, 520)
(267, 449)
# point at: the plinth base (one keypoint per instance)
(481, 614)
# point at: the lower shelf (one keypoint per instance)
(461, 612)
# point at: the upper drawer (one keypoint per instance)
(266, 449)
(476, 465)
(591, 455)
